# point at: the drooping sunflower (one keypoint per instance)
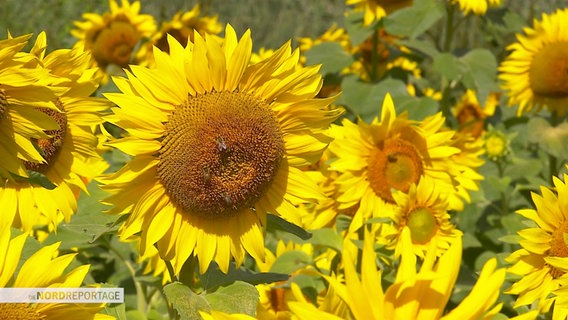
(181, 27)
(416, 295)
(216, 144)
(424, 212)
(535, 74)
(390, 154)
(471, 115)
(376, 9)
(44, 269)
(70, 159)
(542, 262)
(478, 7)
(22, 89)
(113, 37)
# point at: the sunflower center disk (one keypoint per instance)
(50, 147)
(19, 311)
(393, 164)
(115, 44)
(422, 225)
(220, 153)
(558, 246)
(549, 71)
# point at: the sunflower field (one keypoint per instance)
(342, 159)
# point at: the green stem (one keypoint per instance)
(171, 271)
(374, 57)
(449, 27)
(140, 292)
(552, 160)
(504, 199)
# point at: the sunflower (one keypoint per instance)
(542, 262)
(376, 9)
(471, 115)
(467, 161)
(416, 295)
(22, 89)
(424, 212)
(216, 144)
(333, 34)
(478, 7)
(44, 269)
(497, 144)
(181, 27)
(113, 37)
(390, 154)
(535, 74)
(69, 152)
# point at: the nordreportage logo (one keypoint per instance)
(61, 295)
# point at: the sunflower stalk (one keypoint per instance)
(141, 299)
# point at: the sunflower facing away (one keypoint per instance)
(181, 27)
(70, 159)
(391, 154)
(542, 262)
(44, 269)
(113, 36)
(216, 144)
(376, 9)
(535, 74)
(22, 89)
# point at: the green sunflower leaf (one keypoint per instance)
(185, 301)
(330, 55)
(291, 261)
(238, 297)
(365, 99)
(276, 223)
(215, 278)
(415, 20)
(327, 237)
(480, 72)
(41, 180)
(355, 29)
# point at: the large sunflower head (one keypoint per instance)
(390, 154)
(542, 262)
(535, 74)
(216, 144)
(23, 89)
(113, 36)
(69, 157)
(182, 27)
(44, 269)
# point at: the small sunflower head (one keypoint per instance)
(497, 145)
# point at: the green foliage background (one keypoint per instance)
(469, 58)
